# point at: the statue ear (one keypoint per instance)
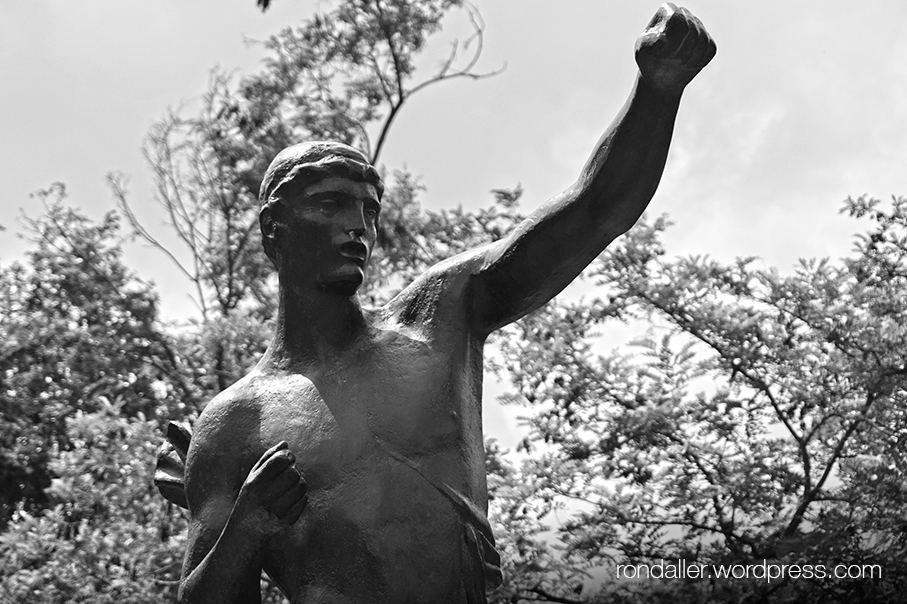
(267, 222)
(269, 226)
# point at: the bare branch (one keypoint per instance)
(117, 184)
(443, 74)
(550, 597)
(811, 496)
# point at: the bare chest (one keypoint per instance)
(377, 438)
(401, 395)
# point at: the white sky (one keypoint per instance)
(804, 104)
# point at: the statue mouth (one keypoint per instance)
(355, 251)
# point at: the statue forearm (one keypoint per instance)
(626, 167)
(621, 176)
(229, 573)
(271, 499)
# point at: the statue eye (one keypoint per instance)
(371, 213)
(327, 204)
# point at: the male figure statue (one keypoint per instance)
(349, 463)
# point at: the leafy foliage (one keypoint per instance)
(109, 537)
(86, 361)
(761, 417)
(77, 327)
(338, 75)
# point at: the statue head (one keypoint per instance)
(330, 181)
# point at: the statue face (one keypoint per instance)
(325, 234)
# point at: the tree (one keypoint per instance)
(109, 537)
(762, 416)
(89, 370)
(77, 327)
(336, 76)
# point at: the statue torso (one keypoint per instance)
(388, 436)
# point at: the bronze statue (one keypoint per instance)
(349, 463)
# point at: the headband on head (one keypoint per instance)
(313, 161)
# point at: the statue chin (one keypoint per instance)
(343, 287)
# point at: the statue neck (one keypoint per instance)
(312, 327)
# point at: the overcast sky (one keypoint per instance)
(804, 104)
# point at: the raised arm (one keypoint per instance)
(553, 245)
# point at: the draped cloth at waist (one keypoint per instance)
(480, 561)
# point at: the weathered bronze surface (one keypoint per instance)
(349, 463)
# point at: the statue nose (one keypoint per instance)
(355, 222)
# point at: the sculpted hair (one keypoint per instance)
(301, 165)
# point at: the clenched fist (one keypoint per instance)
(273, 496)
(673, 49)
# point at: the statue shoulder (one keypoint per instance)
(223, 440)
(229, 414)
(443, 288)
(224, 437)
